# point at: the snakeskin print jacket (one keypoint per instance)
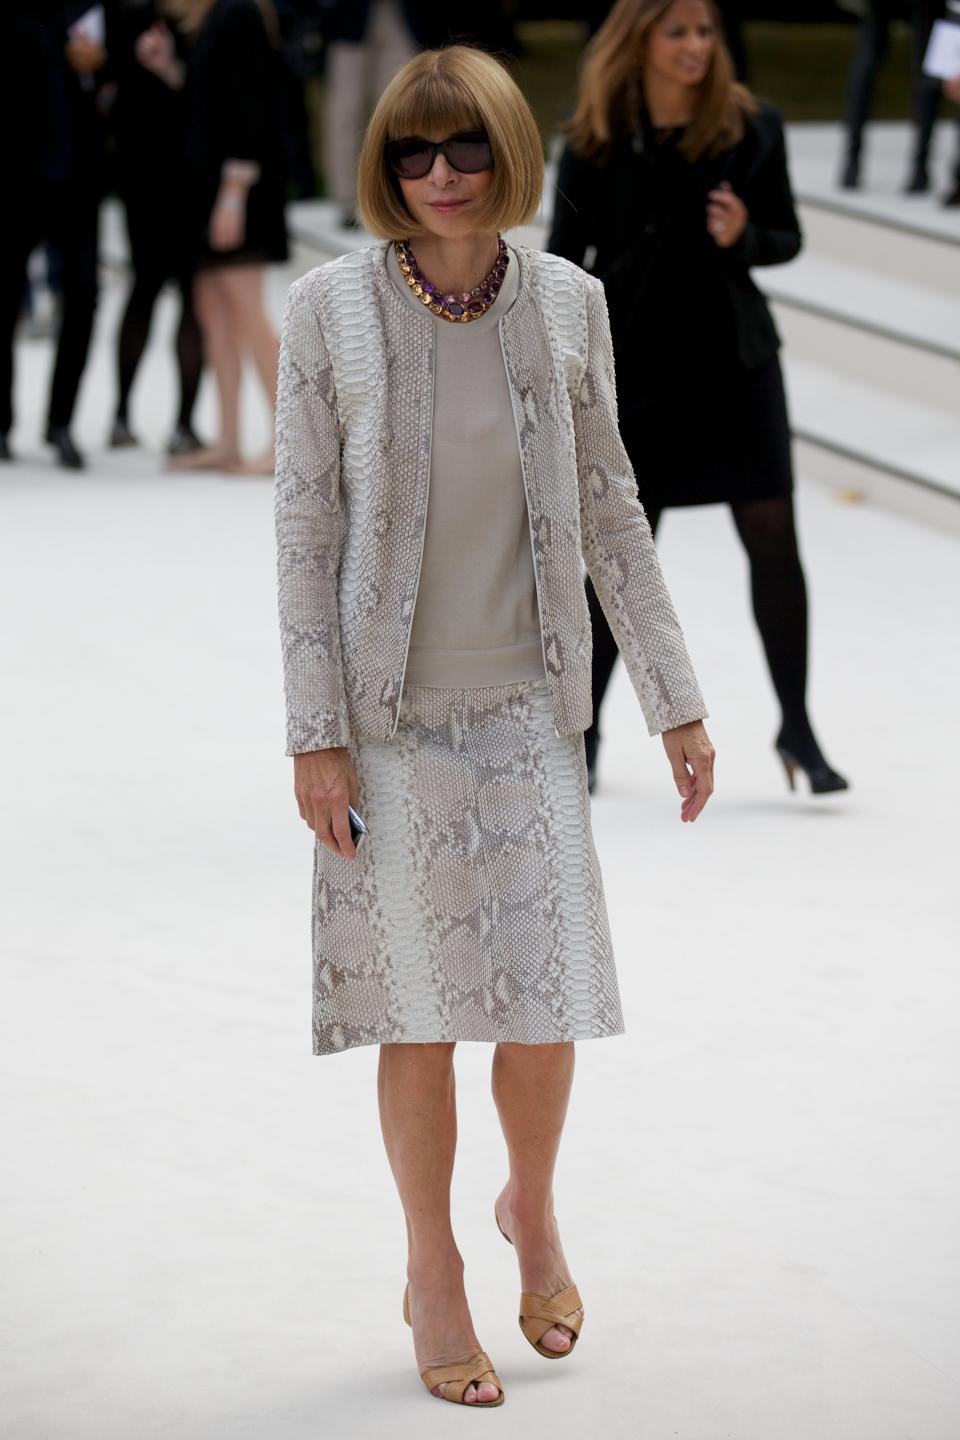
(354, 419)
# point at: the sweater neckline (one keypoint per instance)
(404, 299)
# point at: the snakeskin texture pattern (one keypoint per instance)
(354, 421)
(475, 908)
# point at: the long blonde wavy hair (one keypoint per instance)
(610, 90)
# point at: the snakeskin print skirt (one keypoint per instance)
(474, 909)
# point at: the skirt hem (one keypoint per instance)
(577, 1036)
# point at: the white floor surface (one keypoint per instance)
(758, 1190)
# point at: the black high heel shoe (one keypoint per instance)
(824, 780)
(850, 174)
(67, 453)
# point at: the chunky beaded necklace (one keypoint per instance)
(470, 304)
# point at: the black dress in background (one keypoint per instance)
(234, 113)
(702, 407)
(147, 121)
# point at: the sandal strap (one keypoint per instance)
(539, 1313)
(456, 1378)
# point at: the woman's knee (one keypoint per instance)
(209, 302)
(437, 1054)
(766, 527)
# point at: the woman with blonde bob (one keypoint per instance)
(673, 185)
(447, 456)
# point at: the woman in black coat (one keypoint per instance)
(672, 185)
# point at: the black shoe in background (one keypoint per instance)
(953, 199)
(919, 182)
(183, 441)
(67, 453)
(5, 452)
(850, 175)
(801, 752)
(121, 436)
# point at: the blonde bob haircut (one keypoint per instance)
(445, 91)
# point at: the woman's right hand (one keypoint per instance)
(325, 783)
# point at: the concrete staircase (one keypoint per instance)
(870, 317)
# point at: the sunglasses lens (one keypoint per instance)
(470, 153)
(410, 159)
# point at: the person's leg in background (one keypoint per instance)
(131, 343)
(73, 229)
(21, 229)
(184, 439)
(873, 41)
(778, 591)
(155, 244)
(345, 115)
(605, 654)
(391, 44)
(243, 288)
(223, 350)
(926, 93)
(952, 197)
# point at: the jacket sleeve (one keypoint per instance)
(310, 528)
(772, 235)
(618, 547)
(571, 229)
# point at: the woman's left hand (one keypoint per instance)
(691, 759)
(228, 224)
(727, 216)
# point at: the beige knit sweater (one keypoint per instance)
(476, 620)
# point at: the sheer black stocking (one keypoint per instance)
(779, 595)
(135, 331)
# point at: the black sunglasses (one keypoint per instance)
(412, 158)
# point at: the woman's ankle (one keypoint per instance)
(527, 1209)
(427, 1262)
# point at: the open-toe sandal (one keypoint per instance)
(455, 1378)
(540, 1313)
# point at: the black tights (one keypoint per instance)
(779, 596)
(135, 330)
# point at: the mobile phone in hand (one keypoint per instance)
(358, 826)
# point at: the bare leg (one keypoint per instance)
(244, 289)
(531, 1087)
(418, 1115)
(222, 348)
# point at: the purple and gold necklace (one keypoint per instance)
(462, 308)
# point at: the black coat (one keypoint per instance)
(50, 124)
(642, 209)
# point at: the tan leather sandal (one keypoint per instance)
(455, 1378)
(540, 1313)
